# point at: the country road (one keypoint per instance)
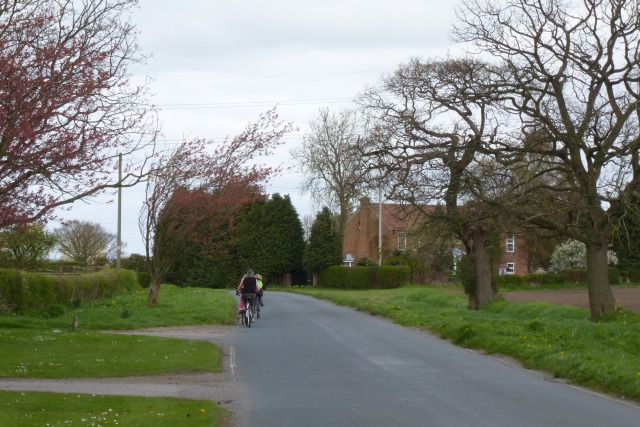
(312, 363)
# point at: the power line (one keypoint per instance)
(244, 104)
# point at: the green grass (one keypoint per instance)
(22, 409)
(47, 354)
(176, 306)
(38, 346)
(555, 338)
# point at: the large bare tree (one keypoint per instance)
(571, 71)
(432, 122)
(335, 172)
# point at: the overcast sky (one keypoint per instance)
(217, 65)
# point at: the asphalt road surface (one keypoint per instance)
(312, 363)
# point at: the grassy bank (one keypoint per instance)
(554, 338)
(45, 347)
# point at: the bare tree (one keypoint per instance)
(85, 241)
(335, 172)
(570, 79)
(431, 125)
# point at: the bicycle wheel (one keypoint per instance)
(247, 314)
(257, 311)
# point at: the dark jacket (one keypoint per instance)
(249, 285)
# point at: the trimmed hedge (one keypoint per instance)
(22, 291)
(384, 277)
(567, 276)
(529, 279)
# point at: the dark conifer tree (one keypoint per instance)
(269, 238)
(324, 248)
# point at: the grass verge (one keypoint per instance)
(554, 338)
(47, 354)
(22, 409)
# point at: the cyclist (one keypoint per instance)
(247, 289)
(260, 289)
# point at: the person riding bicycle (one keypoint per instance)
(260, 289)
(247, 289)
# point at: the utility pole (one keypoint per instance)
(380, 223)
(119, 233)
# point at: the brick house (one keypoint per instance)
(514, 255)
(398, 221)
(361, 232)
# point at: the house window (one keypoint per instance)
(511, 244)
(402, 240)
(415, 243)
(511, 268)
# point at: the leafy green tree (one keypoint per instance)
(269, 238)
(27, 245)
(324, 248)
(196, 266)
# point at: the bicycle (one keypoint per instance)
(249, 307)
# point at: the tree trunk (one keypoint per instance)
(315, 279)
(154, 290)
(483, 292)
(601, 300)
